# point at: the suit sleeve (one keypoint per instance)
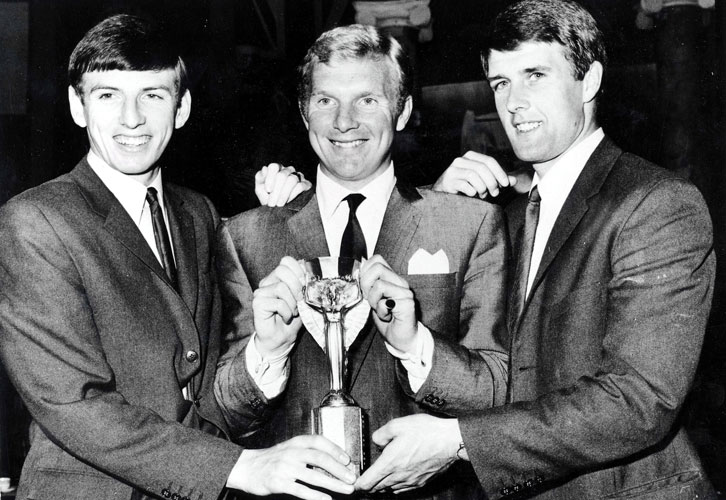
(244, 406)
(52, 349)
(471, 373)
(657, 303)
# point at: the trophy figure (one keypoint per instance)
(332, 288)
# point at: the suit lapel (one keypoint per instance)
(576, 205)
(306, 227)
(117, 220)
(184, 240)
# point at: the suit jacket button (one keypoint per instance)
(165, 493)
(517, 488)
(176, 496)
(441, 402)
(191, 356)
(505, 491)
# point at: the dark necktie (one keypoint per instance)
(353, 244)
(161, 236)
(525, 252)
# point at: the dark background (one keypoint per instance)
(663, 98)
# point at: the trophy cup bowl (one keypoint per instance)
(333, 288)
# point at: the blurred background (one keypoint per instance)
(664, 98)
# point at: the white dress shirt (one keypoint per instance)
(271, 374)
(554, 188)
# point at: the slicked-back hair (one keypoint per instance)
(127, 43)
(550, 21)
(352, 42)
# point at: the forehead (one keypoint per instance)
(527, 55)
(130, 81)
(361, 74)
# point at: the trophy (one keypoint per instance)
(332, 288)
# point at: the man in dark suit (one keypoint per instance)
(109, 306)
(611, 287)
(433, 281)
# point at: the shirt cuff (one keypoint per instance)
(418, 364)
(270, 374)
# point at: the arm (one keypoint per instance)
(656, 307)
(53, 351)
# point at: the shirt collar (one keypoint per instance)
(564, 173)
(330, 194)
(128, 191)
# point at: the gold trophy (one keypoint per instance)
(333, 288)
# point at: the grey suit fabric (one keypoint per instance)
(464, 309)
(604, 353)
(99, 343)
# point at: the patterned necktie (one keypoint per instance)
(353, 244)
(525, 252)
(161, 236)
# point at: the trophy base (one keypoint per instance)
(344, 426)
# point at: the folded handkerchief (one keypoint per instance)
(422, 262)
(353, 321)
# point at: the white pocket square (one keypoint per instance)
(422, 262)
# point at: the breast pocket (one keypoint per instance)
(437, 301)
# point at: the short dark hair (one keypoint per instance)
(127, 43)
(356, 41)
(551, 21)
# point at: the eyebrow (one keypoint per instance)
(525, 71)
(145, 89)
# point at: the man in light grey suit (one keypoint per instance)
(611, 288)
(439, 258)
(109, 306)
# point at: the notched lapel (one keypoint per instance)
(184, 240)
(306, 227)
(576, 206)
(399, 226)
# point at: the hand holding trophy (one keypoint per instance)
(332, 288)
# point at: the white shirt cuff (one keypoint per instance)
(418, 364)
(270, 374)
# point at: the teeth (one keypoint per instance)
(528, 126)
(132, 141)
(347, 144)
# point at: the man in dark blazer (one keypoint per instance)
(109, 306)
(610, 292)
(439, 258)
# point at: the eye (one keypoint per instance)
(499, 85)
(536, 75)
(324, 102)
(104, 96)
(368, 101)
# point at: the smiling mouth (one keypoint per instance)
(525, 127)
(132, 141)
(347, 144)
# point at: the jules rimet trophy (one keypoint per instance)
(333, 289)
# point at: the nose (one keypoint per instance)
(345, 119)
(517, 98)
(131, 114)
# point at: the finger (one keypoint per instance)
(269, 306)
(285, 195)
(385, 434)
(278, 187)
(298, 490)
(301, 187)
(272, 170)
(260, 191)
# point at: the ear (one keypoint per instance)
(591, 82)
(304, 118)
(76, 105)
(402, 119)
(183, 110)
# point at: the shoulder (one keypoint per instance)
(195, 203)
(57, 196)
(455, 205)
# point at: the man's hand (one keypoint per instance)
(390, 297)
(284, 469)
(474, 174)
(417, 447)
(275, 185)
(274, 307)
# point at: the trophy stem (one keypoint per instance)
(335, 350)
